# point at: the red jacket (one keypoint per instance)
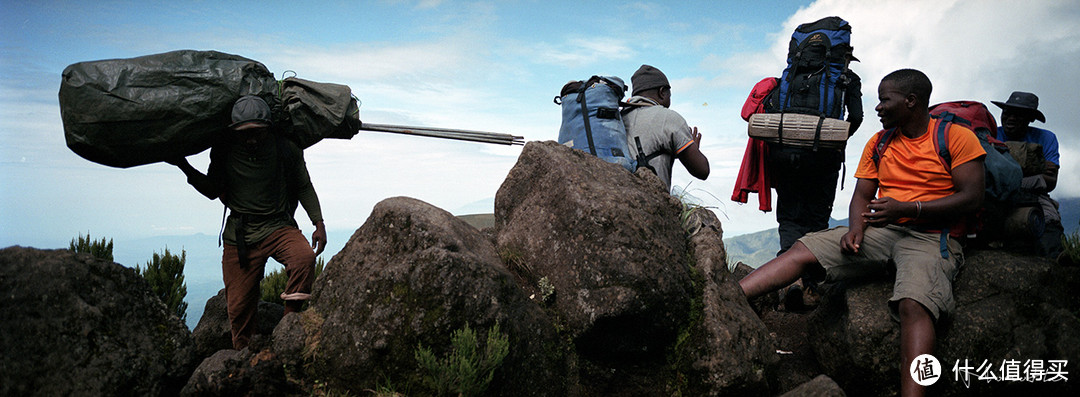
(754, 175)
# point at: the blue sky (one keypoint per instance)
(491, 66)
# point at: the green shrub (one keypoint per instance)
(99, 249)
(165, 273)
(273, 284)
(465, 370)
(1071, 246)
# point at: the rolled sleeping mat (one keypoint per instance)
(799, 129)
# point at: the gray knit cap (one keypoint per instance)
(647, 78)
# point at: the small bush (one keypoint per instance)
(165, 273)
(547, 289)
(99, 249)
(1071, 246)
(690, 203)
(274, 283)
(466, 370)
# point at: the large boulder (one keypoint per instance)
(214, 331)
(609, 242)
(254, 371)
(410, 276)
(820, 386)
(1009, 307)
(649, 309)
(72, 324)
(727, 350)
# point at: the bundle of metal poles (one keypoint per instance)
(463, 135)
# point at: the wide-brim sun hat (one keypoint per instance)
(1024, 102)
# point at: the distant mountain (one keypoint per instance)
(753, 249)
(485, 206)
(479, 221)
(1070, 214)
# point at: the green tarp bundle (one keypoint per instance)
(319, 110)
(129, 112)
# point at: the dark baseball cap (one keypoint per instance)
(250, 109)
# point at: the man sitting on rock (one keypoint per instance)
(1017, 114)
(661, 134)
(900, 213)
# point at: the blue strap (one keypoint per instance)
(945, 243)
(943, 141)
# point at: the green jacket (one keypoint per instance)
(260, 185)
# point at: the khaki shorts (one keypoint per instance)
(921, 272)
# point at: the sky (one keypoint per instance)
(490, 66)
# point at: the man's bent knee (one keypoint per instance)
(910, 309)
(779, 272)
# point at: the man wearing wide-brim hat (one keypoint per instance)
(1017, 113)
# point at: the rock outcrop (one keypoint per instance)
(593, 276)
(633, 291)
(71, 324)
(410, 276)
(610, 244)
(600, 281)
(254, 371)
(728, 350)
(1009, 307)
(820, 386)
(214, 332)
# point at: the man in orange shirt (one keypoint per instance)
(901, 210)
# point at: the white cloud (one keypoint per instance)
(970, 49)
(576, 52)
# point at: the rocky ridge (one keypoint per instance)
(602, 283)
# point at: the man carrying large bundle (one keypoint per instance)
(260, 176)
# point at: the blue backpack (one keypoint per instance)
(813, 81)
(591, 120)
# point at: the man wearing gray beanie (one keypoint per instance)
(658, 134)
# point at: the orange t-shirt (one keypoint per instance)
(910, 169)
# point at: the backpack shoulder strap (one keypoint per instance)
(585, 112)
(941, 139)
(883, 139)
(642, 158)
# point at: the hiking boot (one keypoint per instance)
(793, 298)
(798, 299)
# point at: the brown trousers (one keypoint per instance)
(287, 246)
